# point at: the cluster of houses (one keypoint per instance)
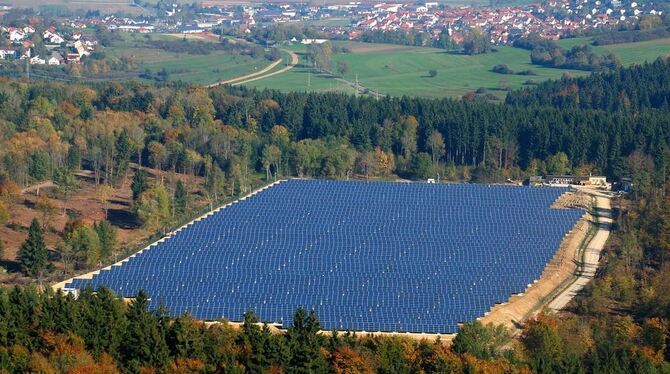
(58, 47)
(550, 19)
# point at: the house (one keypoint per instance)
(52, 37)
(78, 25)
(89, 41)
(16, 35)
(8, 54)
(80, 49)
(37, 61)
(55, 59)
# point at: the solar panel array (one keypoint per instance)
(367, 256)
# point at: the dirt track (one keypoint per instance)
(251, 75)
(566, 274)
(591, 256)
(294, 62)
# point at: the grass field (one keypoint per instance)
(199, 69)
(628, 53)
(398, 70)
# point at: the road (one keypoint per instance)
(587, 270)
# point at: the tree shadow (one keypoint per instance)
(119, 202)
(122, 218)
(11, 266)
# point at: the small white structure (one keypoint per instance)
(313, 41)
(37, 61)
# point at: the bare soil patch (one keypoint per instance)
(558, 271)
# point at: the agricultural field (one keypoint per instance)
(104, 6)
(457, 74)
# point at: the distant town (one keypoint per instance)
(66, 40)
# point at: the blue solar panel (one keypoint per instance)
(367, 256)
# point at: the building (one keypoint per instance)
(597, 181)
(55, 59)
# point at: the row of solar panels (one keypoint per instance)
(429, 255)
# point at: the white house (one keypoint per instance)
(52, 37)
(55, 59)
(7, 53)
(37, 61)
(16, 35)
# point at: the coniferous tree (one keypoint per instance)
(140, 183)
(180, 197)
(305, 344)
(33, 252)
(144, 340)
(185, 338)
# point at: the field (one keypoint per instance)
(104, 6)
(628, 53)
(404, 264)
(398, 70)
(198, 69)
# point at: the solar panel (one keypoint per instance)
(367, 256)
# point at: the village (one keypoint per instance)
(67, 41)
(56, 47)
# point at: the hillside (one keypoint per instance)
(223, 142)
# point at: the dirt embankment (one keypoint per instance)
(558, 272)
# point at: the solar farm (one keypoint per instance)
(366, 256)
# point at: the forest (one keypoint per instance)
(172, 143)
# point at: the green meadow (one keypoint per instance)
(198, 69)
(398, 70)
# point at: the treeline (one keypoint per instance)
(636, 89)
(411, 37)
(193, 47)
(194, 130)
(96, 332)
(630, 36)
(580, 57)
(269, 34)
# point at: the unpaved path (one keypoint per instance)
(247, 76)
(589, 266)
(36, 187)
(294, 62)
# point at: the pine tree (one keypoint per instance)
(144, 341)
(305, 344)
(180, 197)
(140, 183)
(33, 252)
